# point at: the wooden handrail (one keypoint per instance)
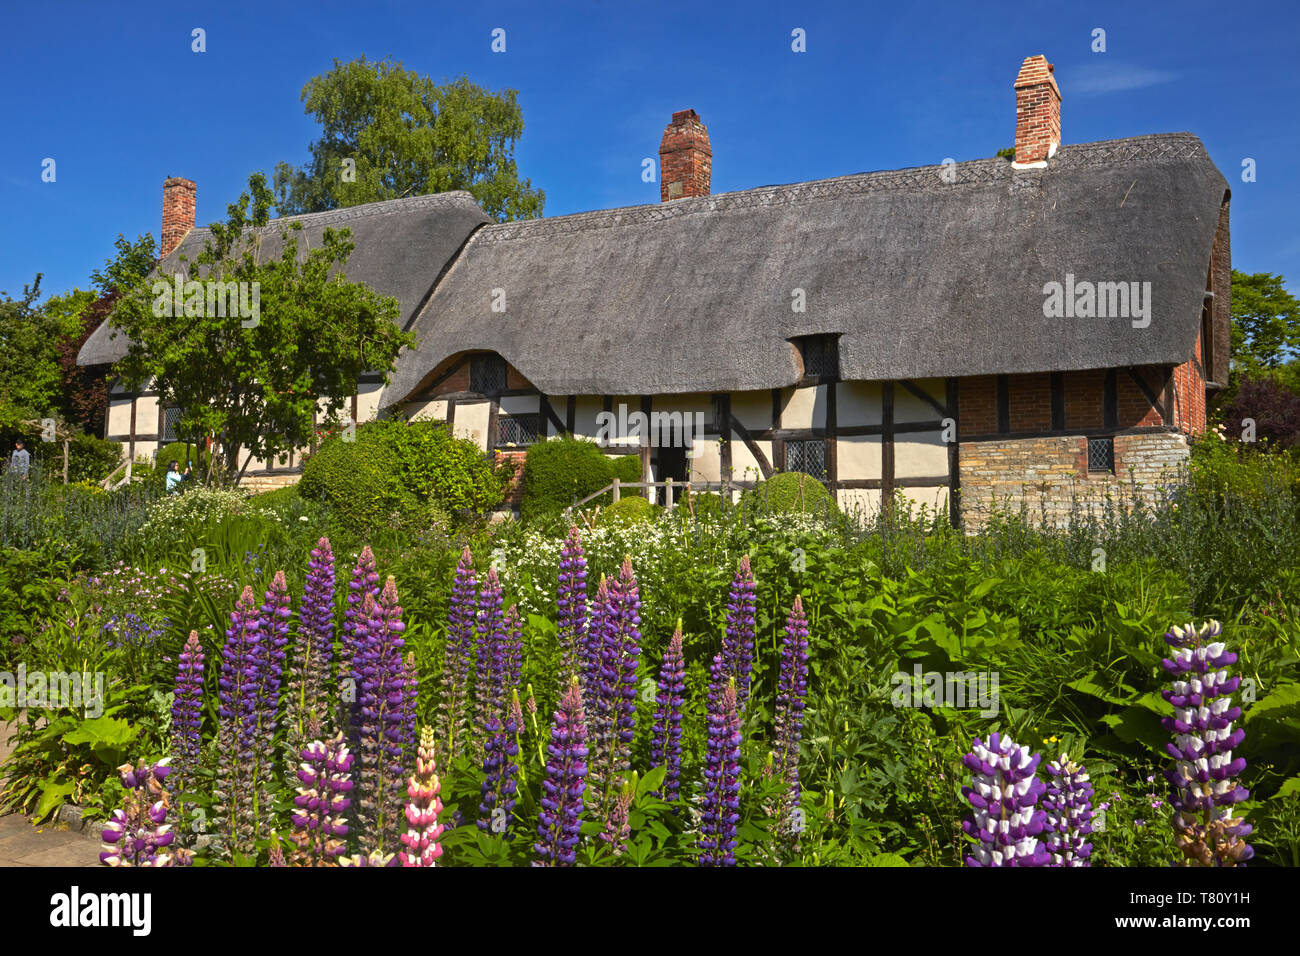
(617, 485)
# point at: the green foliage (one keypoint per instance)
(90, 458)
(790, 492)
(627, 511)
(132, 263)
(30, 334)
(407, 136)
(410, 475)
(435, 466)
(253, 383)
(1265, 322)
(562, 471)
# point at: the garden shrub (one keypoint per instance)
(564, 470)
(627, 511)
(361, 481)
(413, 475)
(90, 458)
(277, 498)
(790, 492)
(709, 504)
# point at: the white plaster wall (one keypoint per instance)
(932, 498)
(472, 422)
(585, 410)
(368, 401)
(146, 416)
(520, 404)
(909, 408)
(752, 409)
(858, 403)
(119, 417)
(859, 457)
(741, 460)
(436, 409)
(804, 407)
(859, 502)
(919, 455)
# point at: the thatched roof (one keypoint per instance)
(920, 277)
(401, 246)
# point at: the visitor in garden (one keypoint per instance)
(20, 461)
(174, 476)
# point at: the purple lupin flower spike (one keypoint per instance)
(238, 755)
(273, 622)
(666, 740)
(1203, 777)
(720, 812)
(1004, 793)
(616, 697)
(326, 776)
(559, 819)
(1069, 813)
(500, 753)
(365, 580)
(598, 689)
(315, 651)
(571, 604)
(738, 641)
(489, 690)
(187, 710)
(791, 688)
(137, 832)
(383, 719)
(454, 683)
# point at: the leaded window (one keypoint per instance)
(487, 374)
(517, 429)
(807, 456)
(1101, 455)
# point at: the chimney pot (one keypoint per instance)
(685, 158)
(178, 213)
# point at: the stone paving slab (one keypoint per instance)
(22, 844)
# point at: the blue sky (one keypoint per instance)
(114, 94)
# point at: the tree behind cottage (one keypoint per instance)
(388, 132)
(251, 383)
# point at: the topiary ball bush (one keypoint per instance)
(790, 492)
(361, 481)
(559, 472)
(627, 511)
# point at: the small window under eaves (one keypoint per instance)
(820, 355)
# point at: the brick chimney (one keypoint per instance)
(685, 158)
(1038, 112)
(178, 213)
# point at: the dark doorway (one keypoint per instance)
(672, 464)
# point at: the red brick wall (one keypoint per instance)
(977, 405)
(1029, 402)
(1085, 399)
(515, 490)
(1132, 405)
(178, 213)
(1038, 110)
(1190, 406)
(457, 381)
(685, 158)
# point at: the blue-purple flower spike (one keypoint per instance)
(1204, 776)
(559, 820)
(187, 710)
(571, 604)
(738, 641)
(720, 807)
(1004, 793)
(457, 662)
(666, 739)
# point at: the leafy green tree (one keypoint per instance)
(251, 382)
(388, 132)
(30, 374)
(1265, 323)
(133, 261)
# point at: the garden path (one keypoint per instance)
(22, 844)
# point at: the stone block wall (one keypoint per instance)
(1050, 475)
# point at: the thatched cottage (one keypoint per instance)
(1035, 326)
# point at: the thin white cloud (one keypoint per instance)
(1111, 77)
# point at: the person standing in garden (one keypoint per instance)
(174, 476)
(20, 461)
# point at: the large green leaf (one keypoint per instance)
(52, 796)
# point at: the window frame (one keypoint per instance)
(478, 371)
(1110, 454)
(503, 418)
(802, 444)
